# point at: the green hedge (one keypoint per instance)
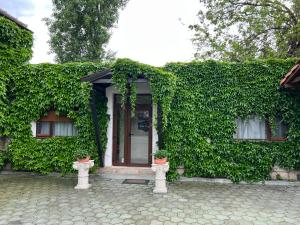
(209, 97)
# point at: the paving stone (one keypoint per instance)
(176, 219)
(53, 200)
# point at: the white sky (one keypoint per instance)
(150, 31)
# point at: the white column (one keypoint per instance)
(83, 173)
(160, 177)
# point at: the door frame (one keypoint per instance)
(127, 133)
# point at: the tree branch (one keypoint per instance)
(268, 4)
(253, 37)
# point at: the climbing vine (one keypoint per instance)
(15, 50)
(209, 97)
(200, 103)
(162, 83)
(2, 159)
(39, 88)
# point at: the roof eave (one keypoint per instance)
(14, 19)
(293, 74)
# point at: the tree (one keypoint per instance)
(80, 29)
(237, 30)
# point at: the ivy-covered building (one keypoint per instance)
(216, 119)
(15, 50)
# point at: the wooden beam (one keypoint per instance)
(96, 127)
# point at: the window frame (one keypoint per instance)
(43, 135)
(268, 133)
(52, 118)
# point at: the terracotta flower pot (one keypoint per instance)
(160, 161)
(86, 159)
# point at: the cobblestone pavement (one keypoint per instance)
(53, 200)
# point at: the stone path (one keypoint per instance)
(52, 200)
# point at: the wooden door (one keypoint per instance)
(132, 132)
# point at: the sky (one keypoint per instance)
(149, 31)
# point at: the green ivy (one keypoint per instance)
(162, 83)
(39, 88)
(2, 159)
(47, 155)
(15, 50)
(209, 97)
(200, 102)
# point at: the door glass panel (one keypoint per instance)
(133, 129)
(140, 125)
(143, 100)
(120, 136)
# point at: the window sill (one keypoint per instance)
(42, 136)
(258, 140)
(278, 139)
(264, 140)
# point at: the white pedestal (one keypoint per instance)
(160, 177)
(83, 173)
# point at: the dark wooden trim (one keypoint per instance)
(107, 73)
(96, 127)
(39, 136)
(52, 117)
(127, 137)
(278, 139)
(127, 132)
(116, 113)
(51, 129)
(294, 72)
(150, 134)
(115, 133)
(268, 131)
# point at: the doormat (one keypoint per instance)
(135, 181)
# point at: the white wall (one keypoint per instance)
(142, 88)
(33, 128)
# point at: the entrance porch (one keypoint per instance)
(131, 135)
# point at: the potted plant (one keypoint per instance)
(82, 155)
(160, 156)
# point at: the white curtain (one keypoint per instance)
(44, 128)
(64, 129)
(251, 128)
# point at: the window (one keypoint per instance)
(251, 128)
(256, 128)
(280, 130)
(53, 125)
(64, 129)
(43, 129)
